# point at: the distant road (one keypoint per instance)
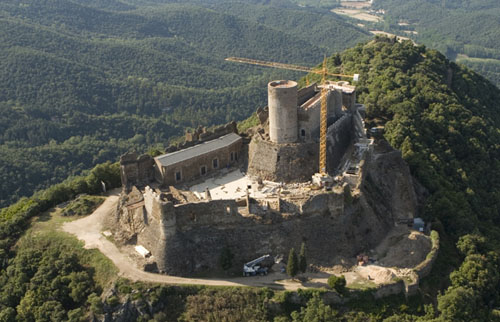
(89, 230)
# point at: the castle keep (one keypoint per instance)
(287, 151)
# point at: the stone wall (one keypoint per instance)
(309, 121)
(384, 290)
(136, 170)
(262, 115)
(424, 268)
(299, 161)
(339, 138)
(202, 134)
(349, 101)
(295, 162)
(189, 238)
(310, 112)
(410, 285)
(306, 93)
(215, 212)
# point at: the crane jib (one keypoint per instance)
(287, 66)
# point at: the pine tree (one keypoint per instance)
(292, 266)
(302, 258)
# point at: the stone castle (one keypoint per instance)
(251, 192)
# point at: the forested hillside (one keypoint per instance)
(444, 118)
(466, 30)
(446, 121)
(83, 81)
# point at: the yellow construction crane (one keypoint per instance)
(324, 74)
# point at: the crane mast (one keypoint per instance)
(324, 93)
(323, 123)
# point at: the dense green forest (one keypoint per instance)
(444, 118)
(466, 30)
(82, 82)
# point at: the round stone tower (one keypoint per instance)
(282, 100)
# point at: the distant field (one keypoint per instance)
(465, 30)
(464, 58)
(355, 4)
(357, 14)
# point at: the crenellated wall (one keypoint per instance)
(189, 238)
(215, 212)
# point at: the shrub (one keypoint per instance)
(337, 283)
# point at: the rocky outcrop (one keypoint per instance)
(390, 184)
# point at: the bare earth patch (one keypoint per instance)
(357, 14)
(399, 38)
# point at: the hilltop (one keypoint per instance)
(444, 118)
(466, 31)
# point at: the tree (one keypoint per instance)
(459, 304)
(337, 283)
(471, 244)
(302, 258)
(292, 266)
(96, 305)
(315, 311)
(7, 314)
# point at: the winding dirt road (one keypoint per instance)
(89, 230)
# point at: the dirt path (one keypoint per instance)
(89, 229)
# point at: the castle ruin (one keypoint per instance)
(252, 192)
